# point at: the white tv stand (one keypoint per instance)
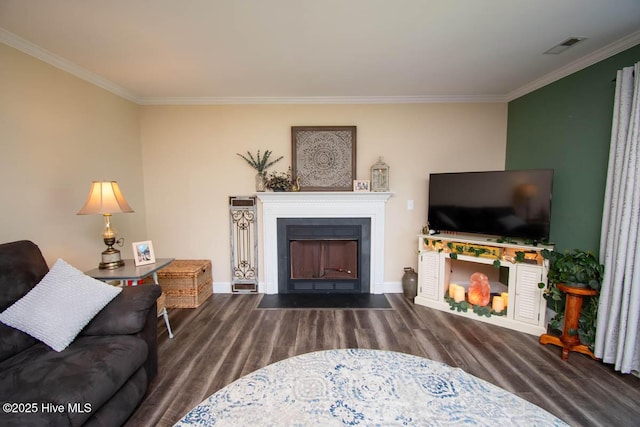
(522, 268)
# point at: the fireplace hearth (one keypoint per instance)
(324, 255)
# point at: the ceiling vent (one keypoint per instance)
(559, 48)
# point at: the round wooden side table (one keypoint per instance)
(569, 340)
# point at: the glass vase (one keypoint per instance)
(260, 182)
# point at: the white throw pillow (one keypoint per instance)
(57, 308)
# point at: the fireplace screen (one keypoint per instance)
(324, 259)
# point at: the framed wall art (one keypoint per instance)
(143, 253)
(324, 157)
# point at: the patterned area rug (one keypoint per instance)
(359, 387)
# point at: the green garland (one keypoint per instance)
(480, 310)
(459, 306)
(472, 250)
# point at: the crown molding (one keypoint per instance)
(427, 99)
(50, 58)
(36, 51)
(586, 61)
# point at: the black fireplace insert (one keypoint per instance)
(324, 255)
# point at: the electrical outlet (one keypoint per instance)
(410, 205)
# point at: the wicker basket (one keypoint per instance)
(186, 283)
(161, 303)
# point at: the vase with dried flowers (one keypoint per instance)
(260, 163)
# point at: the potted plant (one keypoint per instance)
(260, 163)
(575, 268)
(279, 181)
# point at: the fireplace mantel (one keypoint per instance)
(320, 204)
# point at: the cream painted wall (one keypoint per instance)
(57, 134)
(191, 168)
(177, 164)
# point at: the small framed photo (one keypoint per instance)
(360, 185)
(143, 253)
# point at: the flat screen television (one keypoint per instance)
(513, 203)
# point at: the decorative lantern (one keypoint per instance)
(380, 176)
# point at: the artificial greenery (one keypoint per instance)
(477, 251)
(461, 306)
(279, 181)
(480, 310)
(458, 249)
(529, 242)
(588, 321)
(435, 243)
(506, 240)
(573, 268)
(260, 162)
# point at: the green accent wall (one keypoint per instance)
(566, 126)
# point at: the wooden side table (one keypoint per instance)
(570, 342)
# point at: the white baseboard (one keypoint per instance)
(221, 287)
(392, 287)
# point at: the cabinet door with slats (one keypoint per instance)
(428, 275)
(527, 307)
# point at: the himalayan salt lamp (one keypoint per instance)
(498, 304)
(479, 289)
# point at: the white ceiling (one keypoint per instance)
(223, 51)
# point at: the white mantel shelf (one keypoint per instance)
(322, 196)
(322, 204)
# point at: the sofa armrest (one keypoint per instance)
(126, 313)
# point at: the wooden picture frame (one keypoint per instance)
(361, 186)
(143, 253)
(323, 157)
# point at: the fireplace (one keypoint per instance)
(323, 205)
(324, 255)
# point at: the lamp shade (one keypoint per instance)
(105, 197)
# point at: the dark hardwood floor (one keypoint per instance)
(228, 337)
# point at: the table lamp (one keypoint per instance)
(106, 198)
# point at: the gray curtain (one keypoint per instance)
(618, 327)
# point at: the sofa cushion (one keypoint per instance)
(59, 306)
(126, 313)
(22, 266)
(85, 374)
(122, 405)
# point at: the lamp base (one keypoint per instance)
(110, 265)
(111, 259)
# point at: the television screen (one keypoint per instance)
(514, 203)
